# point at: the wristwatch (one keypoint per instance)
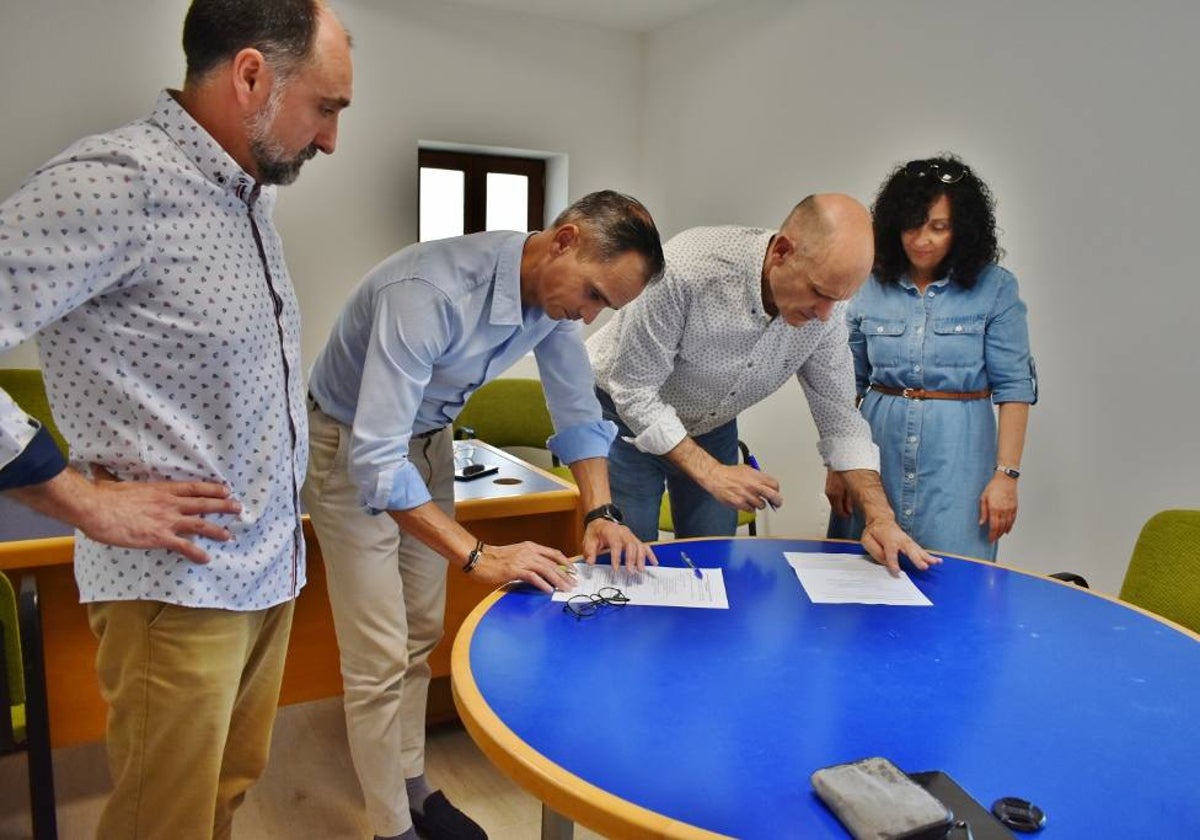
(609, 511)
(1011, 472)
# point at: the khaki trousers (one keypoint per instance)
(192, 695)
(387, 591)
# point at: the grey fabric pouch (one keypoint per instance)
(875, 801)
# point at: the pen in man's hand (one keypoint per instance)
(752, 462)
(688, 560)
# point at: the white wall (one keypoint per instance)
(71, 69)
(1080, 114)
(422, 71)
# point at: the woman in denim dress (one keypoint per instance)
(939, 335)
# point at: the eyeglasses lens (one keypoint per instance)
(612, 595)
(585, 606)
(581, 606)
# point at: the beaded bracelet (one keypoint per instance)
(473, 557)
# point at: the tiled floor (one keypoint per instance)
(308, 791)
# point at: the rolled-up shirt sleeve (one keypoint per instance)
(828, 380)
(580, 429)
(17, 430)
(35, 461)
(649, 341)
(411, 329)
(1010, 368)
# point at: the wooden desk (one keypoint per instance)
(520, 502)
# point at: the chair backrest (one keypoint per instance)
(1164, 572)
(14, 670)
(508, 412)
(26, 388)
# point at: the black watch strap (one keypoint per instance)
(609, 511)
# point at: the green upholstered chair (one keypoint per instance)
(26, 726)
(507, 412)
(25, 386)
(510, 412)
(1164, 572)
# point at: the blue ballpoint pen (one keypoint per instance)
(753, 462)
(691, 565)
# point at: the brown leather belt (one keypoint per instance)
(922, 394)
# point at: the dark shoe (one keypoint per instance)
(442, 821)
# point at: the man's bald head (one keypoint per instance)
(833, 230)
(821, 255)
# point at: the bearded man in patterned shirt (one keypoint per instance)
(146, 262)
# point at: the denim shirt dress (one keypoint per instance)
(937, 456)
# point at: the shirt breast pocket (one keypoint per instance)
(885, 341)
(957, 342)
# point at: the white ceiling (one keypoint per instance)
(632, 15)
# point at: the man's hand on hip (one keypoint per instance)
(135, 514)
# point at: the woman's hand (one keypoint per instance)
(998, 506)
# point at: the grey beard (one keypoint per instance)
(274, 167)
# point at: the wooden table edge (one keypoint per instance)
(556, 787)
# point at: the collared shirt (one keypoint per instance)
(146, 263)
(697, 348)
(939, 455)
(422, 331)
(948, 338)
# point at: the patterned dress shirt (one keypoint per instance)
(146, 263)
(696, 349)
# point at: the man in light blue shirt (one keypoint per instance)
(423, 330)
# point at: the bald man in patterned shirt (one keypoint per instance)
(146, 262)
(738, 313)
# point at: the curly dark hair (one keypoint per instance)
(903, 203)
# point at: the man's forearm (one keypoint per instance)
(591, 475)
(696, 463)
(63, 497)
(868, 493)
(431, 526)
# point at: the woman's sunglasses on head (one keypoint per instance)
(944, 171)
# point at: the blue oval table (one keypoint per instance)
(672, 722)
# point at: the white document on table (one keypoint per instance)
(852, 579)
(657, 586)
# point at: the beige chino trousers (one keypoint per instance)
(387, 591)
(192, 694)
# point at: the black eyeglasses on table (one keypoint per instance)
(945, 171)
(586, 606)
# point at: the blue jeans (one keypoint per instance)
(638, 479)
